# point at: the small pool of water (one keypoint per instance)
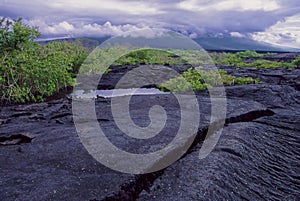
(88, 94)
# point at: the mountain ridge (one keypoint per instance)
(230, 44)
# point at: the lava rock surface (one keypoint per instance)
(256, 158)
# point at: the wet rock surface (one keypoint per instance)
(256, 158)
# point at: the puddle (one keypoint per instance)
(90, 94)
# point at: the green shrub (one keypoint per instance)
(30, 71)
(73, 50)
(296, 62)
(16, 36)
(197, 79)
(267, 64)
(150, 56)
(245, 80)
(100, 59)
(249, 54)
(236, 60)
(193, 57)
(227, 59)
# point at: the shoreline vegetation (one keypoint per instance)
(33, 72)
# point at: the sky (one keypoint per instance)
(272, 21)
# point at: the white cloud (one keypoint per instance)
(265, 5)
(237, 34)
(224, 5)
(107, 29)
(193, 35)
(284, 33)
(63, 27)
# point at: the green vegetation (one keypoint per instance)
(194, 78)
(198, 79)
(237, 60)
(100, 59)
(252, 54)
(169, 57)
(193, 57)
(227, 59)
(267, 64)
(150, 56)
(296, 62)
(30, 71)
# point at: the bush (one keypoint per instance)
(249, 54)
(30, 71)
(236, 60)
(193, 57)
(197, 79)
(16, 36)
(226, 59)
(296, 62)
(150, 56)
(75, 52)
(100, 59)
(267, 64)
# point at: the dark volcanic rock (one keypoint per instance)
(53, 165)
(252, 161)
(257, 157)
(277, 57)
(273, 96)
(282, 57)
(278, 76)
(109, 80)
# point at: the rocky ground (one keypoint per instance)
(256, 158)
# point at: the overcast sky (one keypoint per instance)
(272, 21)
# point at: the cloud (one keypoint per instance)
(63, 27)
(237, 35)
(106, 29)
(71, 30)
(284, 33)
(255, 18)
(222, 5)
